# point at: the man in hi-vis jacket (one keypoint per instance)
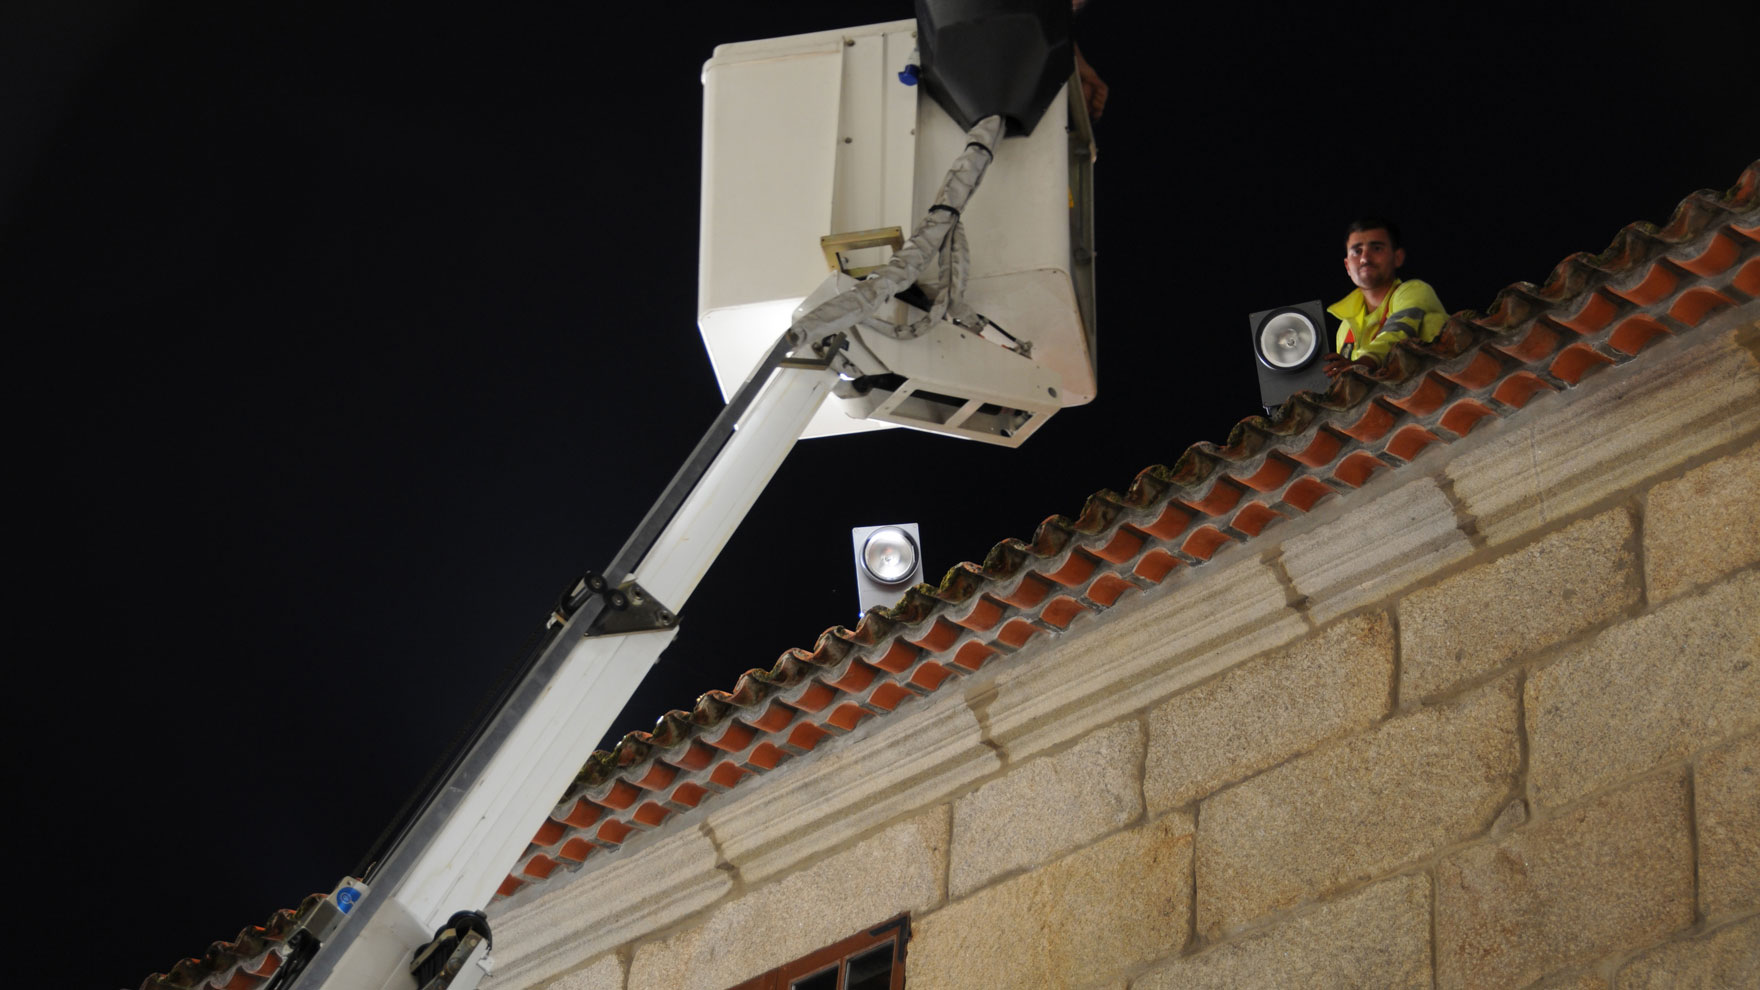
(1383, 309)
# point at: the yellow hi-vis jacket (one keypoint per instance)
(1410, 310)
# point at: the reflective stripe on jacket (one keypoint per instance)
(1416, 312)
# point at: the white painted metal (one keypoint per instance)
(1019, 236)
(949, 361)
(751, 233)
(876, 131)
(379, 957)
(866, 151)
(783, 107)
(703, 525)
(479, 828)
(471, 856)
(479, 843)
(495, 820)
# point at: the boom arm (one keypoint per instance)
(473, 827)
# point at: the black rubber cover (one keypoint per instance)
(985, 57)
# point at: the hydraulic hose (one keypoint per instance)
(939, 224)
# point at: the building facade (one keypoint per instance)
(1449, 678)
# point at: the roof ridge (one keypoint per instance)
(254, 955)
(1591, 310)
(1532, 339)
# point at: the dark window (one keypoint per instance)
(870, 960)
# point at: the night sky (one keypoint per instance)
(346, 335)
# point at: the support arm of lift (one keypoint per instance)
(473, 827)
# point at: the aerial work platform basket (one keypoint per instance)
(818, 157)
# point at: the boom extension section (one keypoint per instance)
(415, 910)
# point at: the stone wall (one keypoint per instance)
(1492, 721)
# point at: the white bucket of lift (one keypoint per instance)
(809, 137)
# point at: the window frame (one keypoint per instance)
(896, 930)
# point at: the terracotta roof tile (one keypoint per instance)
(1591, 311)
(245, 963)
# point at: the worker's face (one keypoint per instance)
(1370, 258)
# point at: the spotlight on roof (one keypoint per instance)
(888, 561)
(1290, 345)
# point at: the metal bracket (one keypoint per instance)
(834, 244)
(465, 968)
(457, 958)
(630, 609)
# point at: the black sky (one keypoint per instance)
(346, 334)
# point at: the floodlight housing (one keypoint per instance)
(1290, 344)
(983, 57)
(888, 559)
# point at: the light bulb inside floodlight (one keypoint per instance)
(1288, 340)
(890, 556)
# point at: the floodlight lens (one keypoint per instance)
(889, 555)
(1288, 340)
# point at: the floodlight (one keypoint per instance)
(888, 560)
(890, 555)
(1288, 340)
(1289, 343)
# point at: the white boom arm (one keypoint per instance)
(456, 852)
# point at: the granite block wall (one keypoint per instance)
(1527, 756)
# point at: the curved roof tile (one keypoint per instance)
(244, 963)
